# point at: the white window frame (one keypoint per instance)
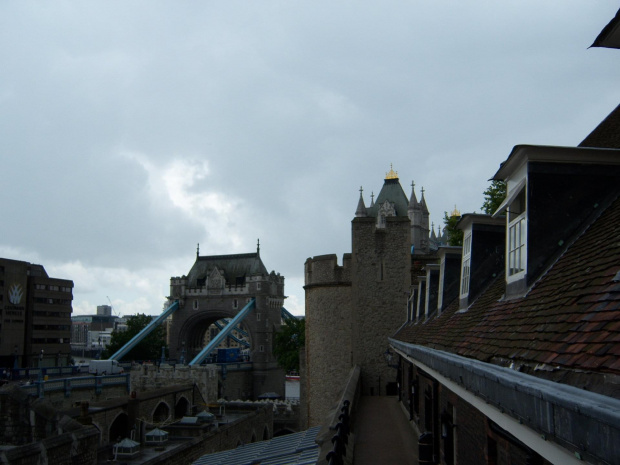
(516, 248)
(466, 266)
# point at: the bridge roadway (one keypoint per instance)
(383, 434)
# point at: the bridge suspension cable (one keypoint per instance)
(223, 333)
(120, 353)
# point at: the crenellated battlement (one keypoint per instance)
(323, 270)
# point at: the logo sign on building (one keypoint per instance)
(15, 294)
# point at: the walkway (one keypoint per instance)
(382, 434)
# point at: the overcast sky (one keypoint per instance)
(131, 131)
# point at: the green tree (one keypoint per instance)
(148, 349)
(288, 342)
(494, 196)
(455, 235)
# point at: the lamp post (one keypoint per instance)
(389, 356)
(41, 365)
(183, 353)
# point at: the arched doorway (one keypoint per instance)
(119, 429)
(200, 329)
(161, 413)
(181, 408)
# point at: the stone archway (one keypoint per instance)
(161, 412)
(192, 333)
(119, 429)
(181, 408)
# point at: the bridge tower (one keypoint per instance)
(219, 286)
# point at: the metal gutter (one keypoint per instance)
(585, 424)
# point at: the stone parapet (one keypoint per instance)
(323, 270)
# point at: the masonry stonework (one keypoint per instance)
(328, 332)
(219, 287)
(381, 279)
(352, 309)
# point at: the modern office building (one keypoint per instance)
(35, 316)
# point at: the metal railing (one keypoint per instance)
(67, 385)
(341, 438)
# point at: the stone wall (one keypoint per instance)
(37, 434)
(149, 377)
(381, 280)
(328, 333)
(256, 426)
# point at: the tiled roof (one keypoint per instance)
(569, 321)
(606, 134)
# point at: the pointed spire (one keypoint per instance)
(361, 208)
(423, 202)
(413, 200)
(197, 250)
(372, 199)
(258, 247)
(433, 236)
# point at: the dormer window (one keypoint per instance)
(466, 266)
(517, 237)
(483, 254)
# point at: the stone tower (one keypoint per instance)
(352, 309)
(380, 278)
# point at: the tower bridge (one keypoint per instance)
(238, 288)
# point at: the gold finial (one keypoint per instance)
(455, 212)
(392, 174)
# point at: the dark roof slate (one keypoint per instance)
(392, 191)
(233, 266)
(569, 320)
(610, 35)
(606, 134)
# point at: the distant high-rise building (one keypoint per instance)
(35, 316)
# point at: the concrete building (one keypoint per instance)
(90, 334)
(35, 316)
